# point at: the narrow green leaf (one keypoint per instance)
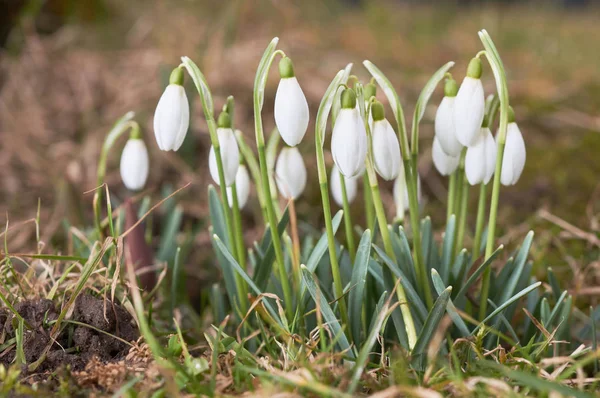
(428, 90)
(262, 72)
(439, 286)
(325, 107)
(419, 353)
(201, 85)
(357, 284)
(447, 248)
(321, 246)
(404, 254)
(509, 288)
(477, 273)
(332, 321)
(264, 268)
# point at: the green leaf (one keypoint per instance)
(234, 264)
(477, 273)
(332, 321)
(357, 285)
(168, 236)
(262, 72)
(404, 254)
(439, 286)
(419, 353)
(388, 90)
(509, 288)
(428, 90)
(264, 268)
(321, 246)
(507, 303)
(447, 248)
(411, 293)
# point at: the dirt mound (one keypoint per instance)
(99, 331)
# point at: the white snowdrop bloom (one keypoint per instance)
(290, 173)
(386, 148)
(230, 153)
(172, 115)
(513, 161)
(444, 163)
(291, 108)
(469, 105)
(134, 164)
(349, 138)
(445, 130)
(242, 187)
(480, 161)
(336, 187)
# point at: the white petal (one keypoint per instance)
(242, 187)
(401, 194)
(171, 118)
(290, 173)
(386, 150)
(469, 108)
(444, 127)
(349, 142)
(444, 163)
(230, 157)
(515, 155)
(291, 111)
(336, 187)
(491, 153)
(134, 164)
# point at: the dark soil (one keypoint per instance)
(76, 345)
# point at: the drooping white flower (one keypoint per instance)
(335, 183)
(291, 107)
(444, 163)
(134, 164)
(386, 148)
(242, 187)
(445, 130)
(349, 138)
(515, 154)
(172, 115)
(469, 106)
(290, 173)
(480, 161)
(230, 153)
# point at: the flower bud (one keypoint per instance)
(172, 115)
(444, 163)
(480, 161)
(336, 187)
(515, 154)
(386, 148)
(230, 154)
(242, 187)
(134, 164)
(290, 173)
(291, 108)
(349, 138)
(445, 130)
(469, 106)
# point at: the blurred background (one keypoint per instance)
(70, 68)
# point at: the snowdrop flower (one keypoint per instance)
(242, 187)
(444, 163)
(172, 115)
(290, 173)
(515, 154)
(469, 105)
(349, 138)
(480, 161)
(445, 130)
(230, 153)
(336, 187)
(134, 164)
(386, 148)
(291, 108)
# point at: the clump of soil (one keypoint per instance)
(76, 345)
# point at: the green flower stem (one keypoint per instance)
(347, 220)
(480, 220)
(368, 198)
(462, 211)
(252, 164)
(451, 196)
(495, 62)
(239, 234)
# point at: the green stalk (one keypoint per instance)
(239, 234)
(462, 212)
(480, 220)
(347, 220)
(252, 164)
(493, 58)
(451, 193)
(369, 210)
